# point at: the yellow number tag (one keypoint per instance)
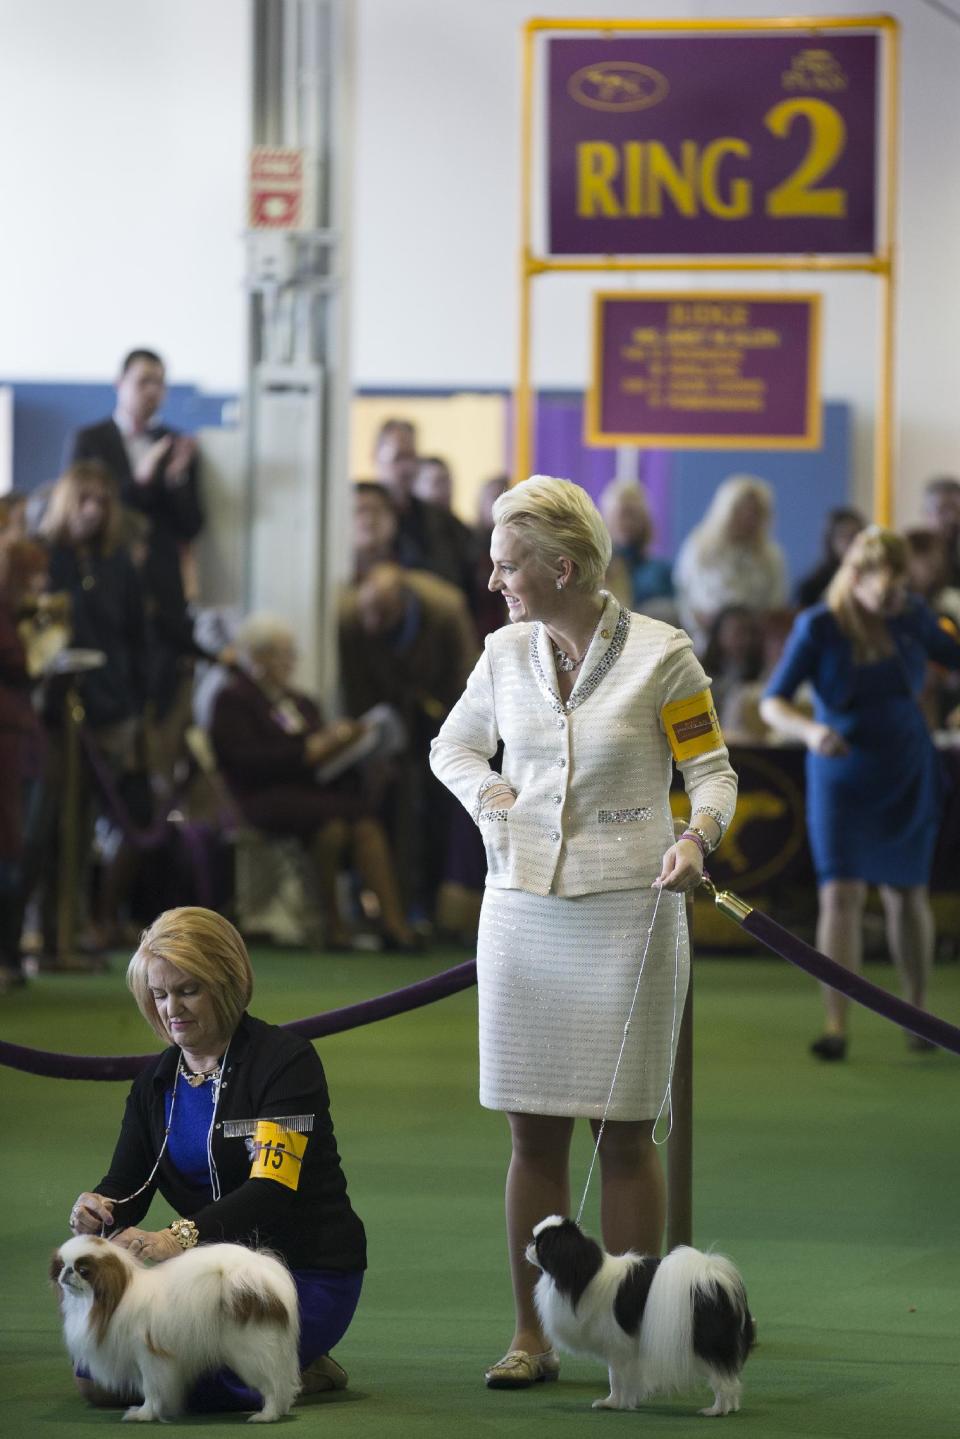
(278, 1153)
(692, 726)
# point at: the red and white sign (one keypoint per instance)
(277, 185)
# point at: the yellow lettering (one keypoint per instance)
(662, 174)
(739, 198)
(597, 165)
(633, 178)
(796, 194)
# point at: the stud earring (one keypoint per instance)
(559, 584)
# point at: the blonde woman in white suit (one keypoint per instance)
(592, 704)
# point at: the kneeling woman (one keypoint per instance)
(232, 1125)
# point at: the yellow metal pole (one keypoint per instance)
(794, 22)
(884, 429)
(523, 395)
(68, 872)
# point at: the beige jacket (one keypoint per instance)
(592, 776)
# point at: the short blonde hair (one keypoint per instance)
(558, 520)
(208, 948)
(261, 632)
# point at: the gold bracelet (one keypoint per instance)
(185, 1232)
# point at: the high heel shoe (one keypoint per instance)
(830, 1047)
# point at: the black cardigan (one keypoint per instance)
(269, 1072)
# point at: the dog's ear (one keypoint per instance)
(56, 1266)
(569, 1257)
(108, 1277)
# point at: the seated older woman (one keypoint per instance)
(199, 1125)
(270, 740)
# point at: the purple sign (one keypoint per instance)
(759, 145)
(705, 371)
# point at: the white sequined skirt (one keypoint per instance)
(555, 980)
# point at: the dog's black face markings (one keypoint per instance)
(631, 1298)
(722, 1331)
(570, 1258)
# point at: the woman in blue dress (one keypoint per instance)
(874, 786)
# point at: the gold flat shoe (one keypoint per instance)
(519, 1370)
(322, 1375)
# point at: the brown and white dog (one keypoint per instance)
(153, 1331)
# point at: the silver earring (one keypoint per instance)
(559, 584)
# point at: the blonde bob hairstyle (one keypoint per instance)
(208, 948)
(64, 504)
(558, 520)
(872, 549)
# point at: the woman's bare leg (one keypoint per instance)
(537, 1185)
(910, 935)
(632, 1192)
(840, 937)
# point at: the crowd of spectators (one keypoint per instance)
(97, 614)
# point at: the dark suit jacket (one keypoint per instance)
(175, 516)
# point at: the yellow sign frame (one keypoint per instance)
(813, 423)
(882, 263)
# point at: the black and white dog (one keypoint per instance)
(660, 1325)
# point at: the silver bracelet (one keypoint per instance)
(716, 815)
(493, 779)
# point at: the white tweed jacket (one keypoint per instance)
(592, 775)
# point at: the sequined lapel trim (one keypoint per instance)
(586, 687)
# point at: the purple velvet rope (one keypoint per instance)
(871, 996)
(334, 1021)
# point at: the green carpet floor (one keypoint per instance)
(836, 1189)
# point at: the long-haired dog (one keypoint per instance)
(153, 1331)
(660, 1325)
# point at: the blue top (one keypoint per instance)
(872, 814)
(650, 578)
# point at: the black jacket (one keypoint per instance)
(269, 1072)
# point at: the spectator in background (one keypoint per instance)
(431, 538)
(874, 786)
(407, 640)
(928, 564)
(434, 482)
(270, 741)
(23, 573)
(941, 504)
(487, 607)
(82, 527)
(730, 558)
(733, 655)
(13, 514)
(842, 524)
(156, 472)
(639, 580)
(376, 536)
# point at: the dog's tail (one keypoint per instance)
(260, 1292)
(697, 1308)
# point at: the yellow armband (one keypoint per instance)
(277, 1153)
(691, 726)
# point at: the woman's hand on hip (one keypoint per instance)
(682, 867)
(821, 739)
(90, 1213)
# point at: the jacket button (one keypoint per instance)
(558, 799)
(561, 763)
(218, 1126)
(554, 835)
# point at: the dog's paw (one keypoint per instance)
(720, 1407)
(141, 1413)
(611, 1402)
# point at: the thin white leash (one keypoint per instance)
(668, 1092)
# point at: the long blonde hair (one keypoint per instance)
(208, 948)
(712, 535)
(872, 549)
(55, 527)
